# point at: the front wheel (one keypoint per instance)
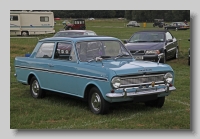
(35, 90)
(163, 59)
(97, 103)
(176, 53)
(158, 103)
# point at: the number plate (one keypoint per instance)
(138, 57)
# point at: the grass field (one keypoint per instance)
(57, 111)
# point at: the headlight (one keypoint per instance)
(116, 82)
(168, 77)
(152, 52)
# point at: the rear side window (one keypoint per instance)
(45, 51)
(44, 18)
(13, 18)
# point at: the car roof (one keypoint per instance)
(153, 31)
(177, 22)
(76, 31)
(79, 38)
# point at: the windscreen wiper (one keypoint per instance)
(122, 55)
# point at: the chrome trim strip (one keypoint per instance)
(61, 72)
(132, 85)
(131, 77)
(140, 92)
(171, 49)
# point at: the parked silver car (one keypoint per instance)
(133, 24)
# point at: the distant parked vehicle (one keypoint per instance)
(27, 23)
(133, 24)
(91, 19)
(177, 26)
(159, 22)
(65, 22)
(69, 33)
(78, 24)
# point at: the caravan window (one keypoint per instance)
(44, 19)
(13, 18)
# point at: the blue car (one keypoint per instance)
(98, 69)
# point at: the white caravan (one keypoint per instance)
(31, 23)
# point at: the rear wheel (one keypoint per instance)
(97, 103)
(24, 33)
(35, 90)
(158, 103)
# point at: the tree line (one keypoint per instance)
(138, 15)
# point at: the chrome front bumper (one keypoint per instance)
(141, 92)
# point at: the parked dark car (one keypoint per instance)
(78, 24)
(68, 33)
(189, 55)
(159, 22)
(177, 26)
(148, 44)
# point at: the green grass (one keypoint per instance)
(63, 112)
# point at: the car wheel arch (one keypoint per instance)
(88, 88)
(31, 75)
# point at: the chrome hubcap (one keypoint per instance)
(96, 101)
(35, 87)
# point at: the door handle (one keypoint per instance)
(51, 65)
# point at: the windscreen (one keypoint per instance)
(147, 37)
(103, 49)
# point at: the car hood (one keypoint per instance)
(131, 67)
(145, 46)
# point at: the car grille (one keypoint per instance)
(139, 52)
(142, 80)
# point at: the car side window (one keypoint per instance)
(63, 51)
(168, 36)
(45, 51)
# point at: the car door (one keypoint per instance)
(170, 45)
(41, 63)
(63, 69)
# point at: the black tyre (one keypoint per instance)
(97, 103)
(35, 90)
(24, 33)
(158, 103)
(69, 28)
(176, 53)
(189, 61)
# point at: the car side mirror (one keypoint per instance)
(170, 40)
(125, 41)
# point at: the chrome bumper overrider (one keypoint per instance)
(140, 92)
